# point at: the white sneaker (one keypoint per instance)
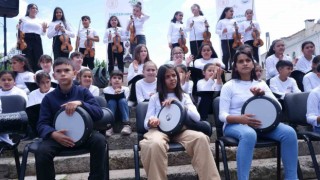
(126, 130)
(109, 132)
(131, 104)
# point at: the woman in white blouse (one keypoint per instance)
(33, 28)
(176, 29)
(59, 26)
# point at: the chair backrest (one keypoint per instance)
(13, 103)
(298, 76)
(101, 101)
(296, 108)
(141, 111)
(217, 121)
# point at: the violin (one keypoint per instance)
(257, 42)
(116, 47)
(236, 37)
(206, 35)
(182, 42)
(65, 44)
(133, 38)
(21, 44)
(89, 52)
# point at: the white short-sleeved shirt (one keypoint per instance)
(35, 97)
(83, 36)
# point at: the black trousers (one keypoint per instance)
(112, 56)
(227, 53)
(255, 50)
(49, 148)
(195, 47)
(87, 61)
(56, 47)
(34, 50)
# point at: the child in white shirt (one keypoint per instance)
(207, 55)
(43, 80)
(85, 80)
(45, 62)
(312, 79)
(146, 87)
(184, 74)
(23, 72)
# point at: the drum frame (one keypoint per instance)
(277, 107)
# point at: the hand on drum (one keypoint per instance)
(257, 91)
(250, 121)
(62, 139)
(153, 122)
(71, 106)
(167, 102)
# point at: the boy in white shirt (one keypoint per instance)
(312, 79)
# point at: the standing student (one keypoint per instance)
(20, 67)
(147, 86)
(137, 22)
(86, 37)
(60, 28)
(196, 26)
(275, 54)
(304, 63)
(33, 28)
(67, 96)
(176, 30)
(225, 29)
(246, 28)
(234, 94)
(85, 80)
(154, 146)
(312, 79)
(115, 34)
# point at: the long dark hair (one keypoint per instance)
(213, 55)
(223, 14)
(174, 19)
(235, 73)
(29, 7)
(109, 22)
(271, 49)
(197, 5)
(137, 53)
(161, 83)
(63, 19)
(23, 59)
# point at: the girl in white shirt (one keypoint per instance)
(154, 146)
(85, 80)
(20, 66)
(33, 28)
(242, 126)
(196, 26)
(184, 75)
(146, 87)
(114, 33)
(45, 62)
(141, 56)
(225, 29)
(178, 57)
(138, 20)
(305, 61)
(275, 54)
(207, 55)
(43, 80)
(176, 30)
(59, 26)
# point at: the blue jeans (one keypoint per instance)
(316, 129)
(247, 137)
(122, 104)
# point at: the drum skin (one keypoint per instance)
(265, 109)
(172, 118)
(79, 125)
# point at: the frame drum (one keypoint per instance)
(264, 109)
(171, 118)
(79, 125)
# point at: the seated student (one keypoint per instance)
(312, 79)
(234, 94)
(85, 80)
(211, 82)
(117, 97)
(67, 96)
(184, 75)
(146, 87)
(7, 80)
(23, 72)
(43, 80)
(77, 59)
(313, 109)
(258, 70)
(305, 61)
(282, 83)
(154, 146)
(177, 57)
(45, 62)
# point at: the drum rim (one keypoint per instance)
(180, 124)
(277, 107)
(87, 122)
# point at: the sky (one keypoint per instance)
(281, 18)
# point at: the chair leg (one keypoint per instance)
(279, 161)
(24, 161)
(107, 163)
(217, 156)
(16, 158)
(136, 161)
(225, 161)
(300, 176)
(313, 156)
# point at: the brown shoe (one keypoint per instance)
(126, 130)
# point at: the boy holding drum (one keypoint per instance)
(69, 97)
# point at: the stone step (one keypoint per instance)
(123, 159)
(263, 169)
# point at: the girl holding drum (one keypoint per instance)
(234, 93)
(154, 146)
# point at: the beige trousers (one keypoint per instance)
(154, 156)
